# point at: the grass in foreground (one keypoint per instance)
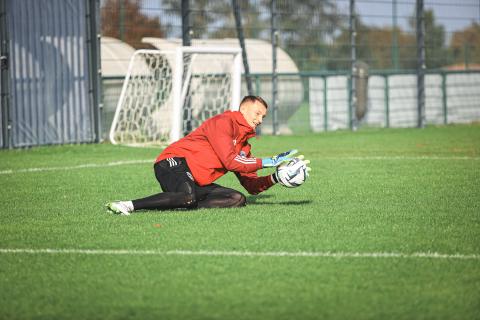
(373, 191)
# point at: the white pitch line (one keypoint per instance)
(311, 254)
(394, 158)
(121, 163)
(80, 166)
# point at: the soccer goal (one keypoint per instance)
(167, 94)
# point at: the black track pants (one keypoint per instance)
(181, 191)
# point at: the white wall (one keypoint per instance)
(463, 100)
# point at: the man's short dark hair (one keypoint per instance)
(254, 99)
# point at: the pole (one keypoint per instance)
(394, 35)
(258, 87)
(466, 54)
(121, 20)
(325, 104)
(444, 98)
(186, 41)
(274, 37)
(93, 42)
(353, 57)
(241, 39)
(420, 19)
(4, 79)
(387, 102)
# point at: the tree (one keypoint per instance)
(436, 53)
(379, 50)
(252, 24)
(373, 46)
(305, 28)
(123, 19)
(214, 19)
(201, 15)
(304, 25)
(465, 45)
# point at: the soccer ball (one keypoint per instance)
(293, 173)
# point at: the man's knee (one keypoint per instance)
(190, 200)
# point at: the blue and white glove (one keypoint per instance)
(278, 159)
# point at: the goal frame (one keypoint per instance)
(177, 84)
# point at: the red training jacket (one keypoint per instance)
(220, 145)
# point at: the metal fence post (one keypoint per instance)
(466, 55)
(241, 39)
(186, 41)
(258, 87)
(444, 98)
(93, 43)
(187, 31)
(258, 92)
(121, 19)
(387, 102)
(395, 36)
(325, 106)
(349, 102)
(420, 20)
(4, 81)
(353, 57)
(274, 39)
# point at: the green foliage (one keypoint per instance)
(314, 33)
(375, 46)
(124, 20)
(305, 25)
(465, 45)
(304, 30)
(215, 19)
(375, 190)
(436, 52)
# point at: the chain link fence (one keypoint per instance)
(319, 42)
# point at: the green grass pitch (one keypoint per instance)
(357, 241)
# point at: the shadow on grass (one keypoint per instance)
(258, 200)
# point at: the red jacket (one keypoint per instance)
(220, 145)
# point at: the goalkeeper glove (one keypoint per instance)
(278, 159)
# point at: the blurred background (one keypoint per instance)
(340, 64)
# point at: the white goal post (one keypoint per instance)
(169, 93)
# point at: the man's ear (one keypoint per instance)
(241, 108)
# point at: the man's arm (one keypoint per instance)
(253, 183)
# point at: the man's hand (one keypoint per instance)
(278, 159)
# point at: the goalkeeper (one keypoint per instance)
(188, 167)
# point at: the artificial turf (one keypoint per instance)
(372, 191)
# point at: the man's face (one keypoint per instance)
(253, 112)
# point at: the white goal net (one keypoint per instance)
(167, 94)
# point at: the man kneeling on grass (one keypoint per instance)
(187, 168)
